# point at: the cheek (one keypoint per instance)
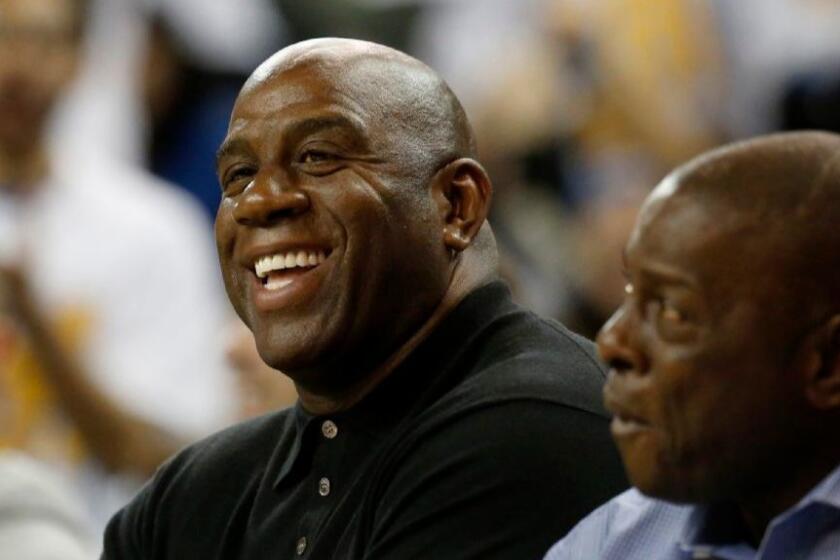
(692, 395)
(225, 230)
(714, 421)
(224, 235)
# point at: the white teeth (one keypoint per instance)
(278, 262)
(277, 283)
(282, 261)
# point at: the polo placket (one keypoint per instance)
(328, 449)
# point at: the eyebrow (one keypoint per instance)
(666, 275)
(232, 147)
(660, 273)
(297, 129)
(311, 125)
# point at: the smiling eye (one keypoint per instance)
(315, 156)
(238, 177)
(663, 311)
(670, 313)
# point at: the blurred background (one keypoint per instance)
(580, 108)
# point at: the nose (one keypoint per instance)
(618, 343)
(268, 200)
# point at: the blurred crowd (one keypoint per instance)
(117, 344)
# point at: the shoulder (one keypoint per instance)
(197, 491)
(521, 356)
(631, 526)
(230, 451)
(522, 467)
(519, 441)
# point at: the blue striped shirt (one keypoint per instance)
(635, 527)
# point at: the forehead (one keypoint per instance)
(693, 237)
(302, 93)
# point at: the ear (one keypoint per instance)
(821, 360)
(463, 191)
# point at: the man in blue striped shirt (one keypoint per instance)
(724, 363)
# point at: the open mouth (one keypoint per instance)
(281, 269)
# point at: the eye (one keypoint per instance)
(660, 309)
(319, 162)
(316, 156)
(237, 178)
(672, 322)
(669, 313)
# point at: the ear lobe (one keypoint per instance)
(822, 365)
(466, 193)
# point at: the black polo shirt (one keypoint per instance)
(488, 441)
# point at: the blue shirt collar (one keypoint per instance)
(717, 531)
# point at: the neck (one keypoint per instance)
(759, 510)
(468, 274)
(23, 170)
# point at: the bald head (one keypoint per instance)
(794, 176)
(401, 92)
(776, 200)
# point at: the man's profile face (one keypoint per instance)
(329, 245)
(38, 57)
(697, 378)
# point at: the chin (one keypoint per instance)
(668, 492)
(676, 485)
(291, 348)
(284, 356)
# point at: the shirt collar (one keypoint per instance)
(826, 492)
(720, 530)
(426, 373)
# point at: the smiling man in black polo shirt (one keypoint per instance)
(436, 418)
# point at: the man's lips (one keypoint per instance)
(625, 408)
(287, 276)
(285, 289)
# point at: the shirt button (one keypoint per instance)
(324, 486)
(300, 548)
(329, 429)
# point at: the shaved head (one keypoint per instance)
(394, 88)
(777, 198)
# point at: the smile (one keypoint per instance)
(279, 270)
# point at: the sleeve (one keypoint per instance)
(501, 482)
